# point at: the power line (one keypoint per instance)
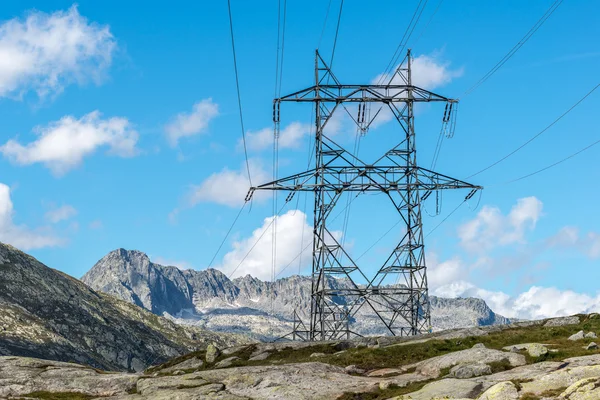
(556, 163)
(407, 33)
(516, 47)
(428, 22)
(227, 235)
(324, 24)
(538, 134)
(337, 29)
(444, 220)
(237, 85)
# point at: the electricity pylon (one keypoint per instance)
(402, 307)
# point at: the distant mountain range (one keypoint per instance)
(245, 305)
(47, 314)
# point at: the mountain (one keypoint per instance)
(264, 310)
(47, 314)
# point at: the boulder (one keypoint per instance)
(465, 371)
(591, 335)
(445, 389)
(212, 352)
(585, 389)
(261, 356)
(562, 321)
(577, 336)
(354, 370)
(561, 378)
(384, 372)
(317, 355)
(479, 346)
(591, 346)
(192, 363)
(533, 349)
(226, 362)
(432, 366)
(501, 391)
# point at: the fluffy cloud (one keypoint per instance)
(19, 235)
(290, 137)
(569, 237)
(229, 187)
(490, 228)
(46, 52)
(428, 72)
(59, 214)
(258, 263)
(62, 145)
(192, 123)
(535, 303)
(440, 274)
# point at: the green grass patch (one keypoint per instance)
(59, 396)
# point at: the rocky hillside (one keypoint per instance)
(47, 314)
(246, 305)
(540, 360)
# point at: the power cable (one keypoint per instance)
(556, 163)
(444, 220)
(337, 29)
(516, 47)
(428, 23)
(237, 85)
(257, 240)
(324, 24)
(536, 135)
(403, 41)
(227, 234)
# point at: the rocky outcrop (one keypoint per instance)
(247, 305)
(47, 314)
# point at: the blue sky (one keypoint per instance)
(120, 129)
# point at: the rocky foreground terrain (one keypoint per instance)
(245, 305)
(552, 359)
(47, 314)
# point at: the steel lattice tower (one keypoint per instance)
(403, 307)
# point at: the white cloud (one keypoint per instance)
(428, 72)
(46, 52)
(535, 303)
(192, 123)
(490, 228)
(62, 145)
(569, 237)
(96, 224)
(229, 187)
(440, 274)
(258, 263)
(290, 137)
(62, 213)
(19, 235)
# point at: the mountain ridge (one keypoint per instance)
(48, 314)
(262, 309)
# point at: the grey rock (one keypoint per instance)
(479, 346)
(465, 371)
(533, 349)
(212, 352)
(501, 391)
(591, 335)
(192, 363)
(591, 346)
(562, 321)
(261, 356)
(445, 388)
(577, 336)
(561, 378)
(585, 389)
(226, 362)
(353, 369)
(19, 376)
(317, 355)
(432, 366)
